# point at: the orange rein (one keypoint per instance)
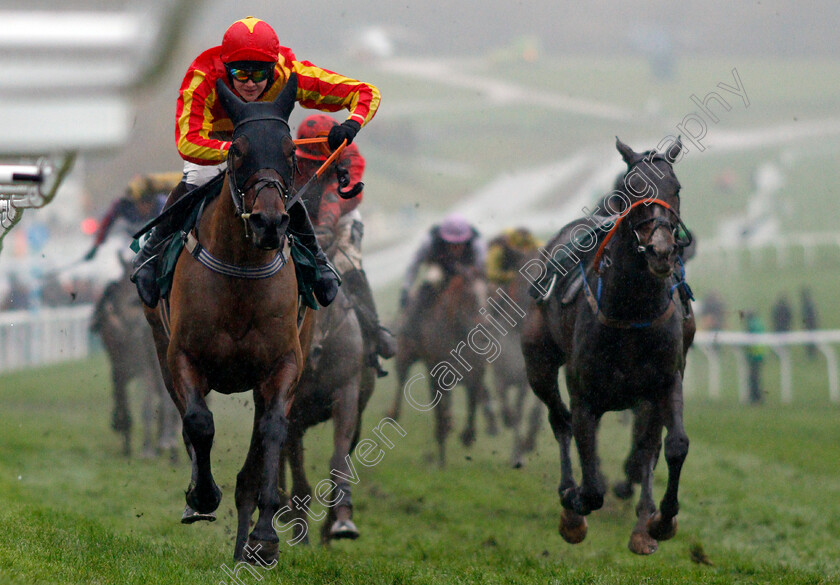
(330, 159)
(596, 263)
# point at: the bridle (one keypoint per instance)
(674, 225)
(671, 221)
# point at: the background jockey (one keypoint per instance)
(507, 253)
(338, 224)
(252, 63)
(143, 200)
(451, 247)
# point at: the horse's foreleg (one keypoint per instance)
(248, 482)
(443, 419)
(121, 416)
(664, 524)
(635, 461)
(402, 366)
(300, 500)
(590, 495)
(467, 436)
(345, 415)
(542, 366)
(189, 389)
(647, 437)
(149, 417)
(272, 426)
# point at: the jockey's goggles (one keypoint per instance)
(255, 75)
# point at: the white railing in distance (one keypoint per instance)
(44, 336)
(710, 344)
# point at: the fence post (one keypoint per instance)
(831, 366)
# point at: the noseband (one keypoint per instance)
(256, 183)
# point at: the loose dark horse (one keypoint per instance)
(118, 319)
(233, 327)
(623, 341)
(336, 384)
(444, 328)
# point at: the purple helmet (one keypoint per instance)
(455, 229)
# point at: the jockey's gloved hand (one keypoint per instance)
(347, 130)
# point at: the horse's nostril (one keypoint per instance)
(258, 221)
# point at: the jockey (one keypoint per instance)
(507, 253)
(252, 63)
(143, 200)
(338, 225)
(449, 248)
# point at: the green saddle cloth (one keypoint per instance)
(306, 269)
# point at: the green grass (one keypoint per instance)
(759, 496)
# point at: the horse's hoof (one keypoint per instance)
(189, 516)
(200, 502)
(492, 428)
(262, 552)
(623, 490)
(392, 414)
(467, 437)
(642, 543)
(344, 529)
(661, 530)
(572, 527)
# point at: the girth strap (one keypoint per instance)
(205, 258)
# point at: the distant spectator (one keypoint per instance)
(782, 315)
(809, 318)
(712, 312)
(18, 296)
(755, 357)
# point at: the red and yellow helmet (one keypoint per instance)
(315, 126)
(250, 39)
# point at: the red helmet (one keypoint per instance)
(250, 39)
(315, 126)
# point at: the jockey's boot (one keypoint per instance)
(146, 260)
(357, 288)
(326, 287)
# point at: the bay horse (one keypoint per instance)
(623, 340)
(444, 327)
(119, 321)
(233, 317)
(336, 384)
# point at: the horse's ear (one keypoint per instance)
(285, 102)
(627, 153)
(288, 146)
(673, 153)
(230, 102)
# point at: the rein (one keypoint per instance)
(596, 262)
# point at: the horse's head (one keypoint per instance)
(649, 194)
(261, 162)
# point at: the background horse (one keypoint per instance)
(521, 411)
(443, 328)
(233, 310)
(623, 346)
(336, 384)
(119, 320)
